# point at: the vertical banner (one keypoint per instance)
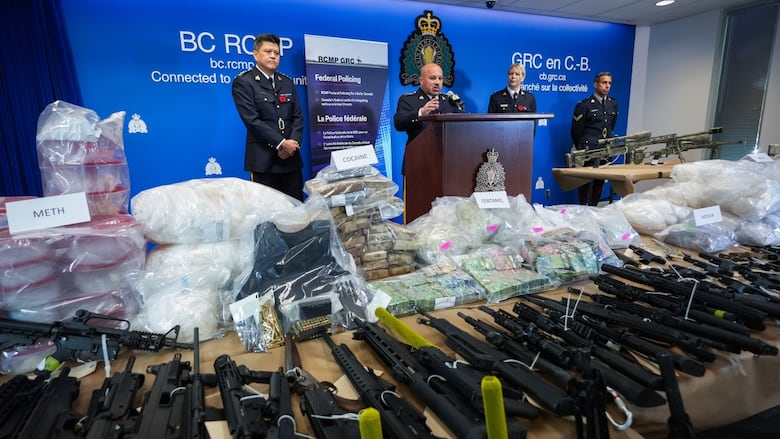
(346, 80)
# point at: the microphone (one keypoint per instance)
(455, 100)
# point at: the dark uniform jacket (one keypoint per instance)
(502, 102)
(270, 115)
(592, 121)
(406, 118)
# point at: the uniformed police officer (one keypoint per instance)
(594, 118)
(428, 99)
(269, 107)
(512, 99)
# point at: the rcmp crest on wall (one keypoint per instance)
(427, 44)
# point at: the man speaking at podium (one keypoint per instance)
(426, 100)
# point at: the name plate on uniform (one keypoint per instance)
(47, 212)
(353, 157)
(492, 200)
(707, 215)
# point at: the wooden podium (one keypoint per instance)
(445, 157)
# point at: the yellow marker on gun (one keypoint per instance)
(493, 401)
(370, 424)
(411, 336)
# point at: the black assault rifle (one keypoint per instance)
(438, 395)
(621, 336)
(669, 303)
(716, 337)
(464, 378)
(80, 339)
(174, 408)
(326, 411)
(112, 412)
(400, 419)
(699, 292)
(633, 382)
(487, 358)
(40, 407)
(250, 415)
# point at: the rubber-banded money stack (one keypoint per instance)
(363, 204)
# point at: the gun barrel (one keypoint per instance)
(486, 357)
(399, 418)
(639, 135)
(701, 134)
(457, 416)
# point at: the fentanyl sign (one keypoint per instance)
(492, 200)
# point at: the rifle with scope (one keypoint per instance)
(635, 146)
(615, 146)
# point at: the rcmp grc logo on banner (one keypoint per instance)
(426, 45)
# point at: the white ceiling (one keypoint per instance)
(636, 12)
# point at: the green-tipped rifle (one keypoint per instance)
(636, 147)
(613, 146)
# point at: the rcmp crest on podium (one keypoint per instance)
(427, 44)
(491, 176)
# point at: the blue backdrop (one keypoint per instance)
(171, 64)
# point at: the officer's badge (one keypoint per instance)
(424, 46)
